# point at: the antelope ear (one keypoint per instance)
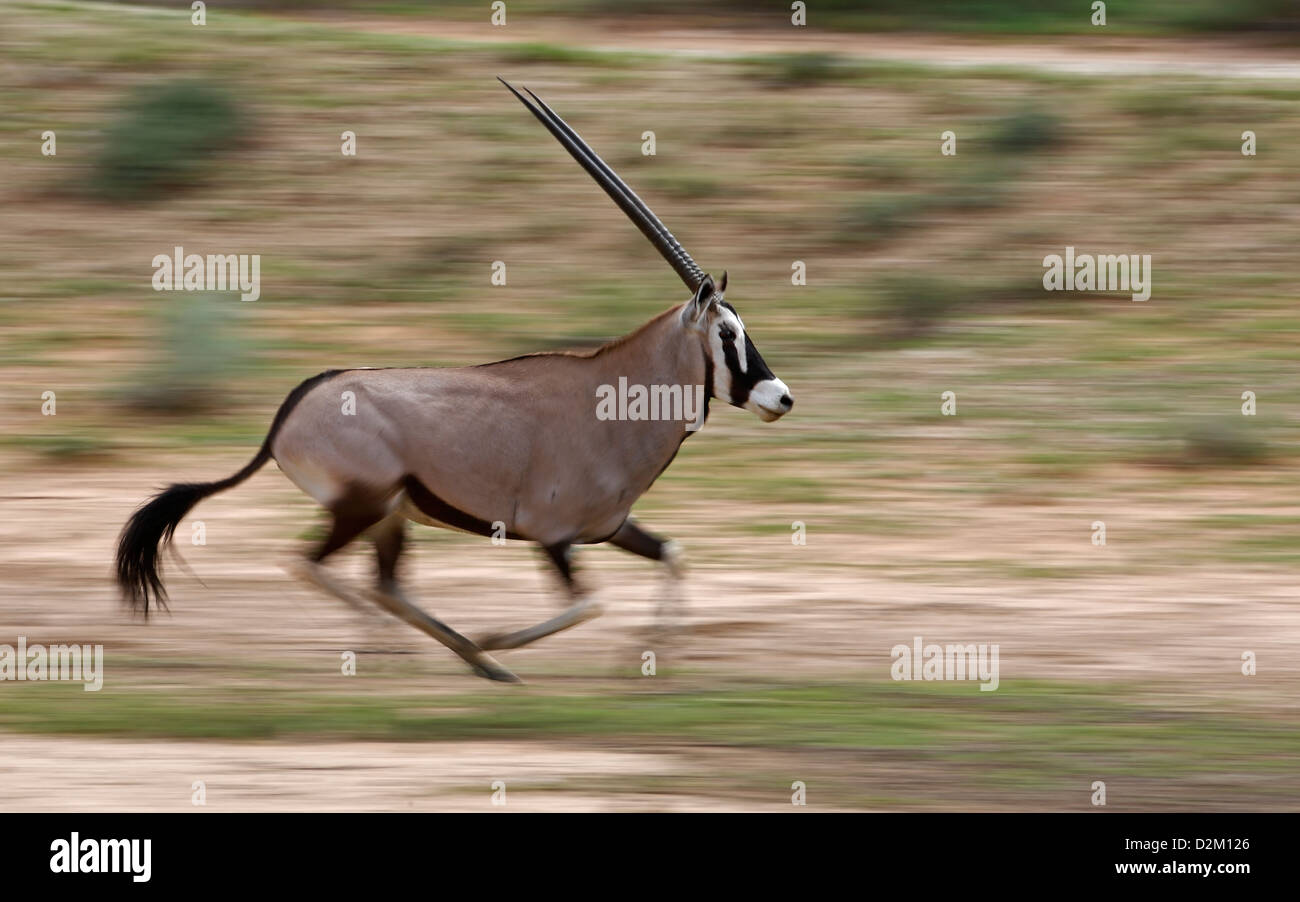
(699, 304)
(704, 292)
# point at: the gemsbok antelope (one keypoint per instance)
(513, 447)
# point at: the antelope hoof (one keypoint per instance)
(491, 670)
(673, 559)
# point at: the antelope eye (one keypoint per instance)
(726, 334)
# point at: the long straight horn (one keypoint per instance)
(616, 188)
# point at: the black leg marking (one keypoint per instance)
(390, 539)
(353, 515)
(356, 511)
(561, 555)
(633, 538)
(346, 527)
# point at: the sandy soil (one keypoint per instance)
(60, 774)
(822, 615)
(818, 609)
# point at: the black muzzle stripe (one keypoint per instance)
(742, 381)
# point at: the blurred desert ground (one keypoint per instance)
(1118, 663)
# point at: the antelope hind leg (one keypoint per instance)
(395, 603)
(392, 600)
(316, 575)
(389, 537)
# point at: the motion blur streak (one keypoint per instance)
(1101, 487)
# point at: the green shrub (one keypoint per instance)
(1222, 442)
(162, 138)
(791, 70)
(913, 304)
(881, 217)
(72, 447)
(1027, 130)
(199, 352)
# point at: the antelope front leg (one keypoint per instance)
(579, 612)
(584, 608)
(671, 603)
(633, 538)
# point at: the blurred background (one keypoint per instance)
(774, 144)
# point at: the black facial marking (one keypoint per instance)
(743, 382)
(757, 366)
(708, 386)
(740, 384)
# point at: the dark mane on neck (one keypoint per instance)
(611, 345)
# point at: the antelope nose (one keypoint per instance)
(786, 402)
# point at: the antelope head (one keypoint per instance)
(739, 375)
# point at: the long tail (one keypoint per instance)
(152, 526)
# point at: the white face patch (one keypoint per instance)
(726, 322)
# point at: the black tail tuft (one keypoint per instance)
(152, 526)
(148, 528)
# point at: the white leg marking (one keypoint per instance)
(671, 600)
